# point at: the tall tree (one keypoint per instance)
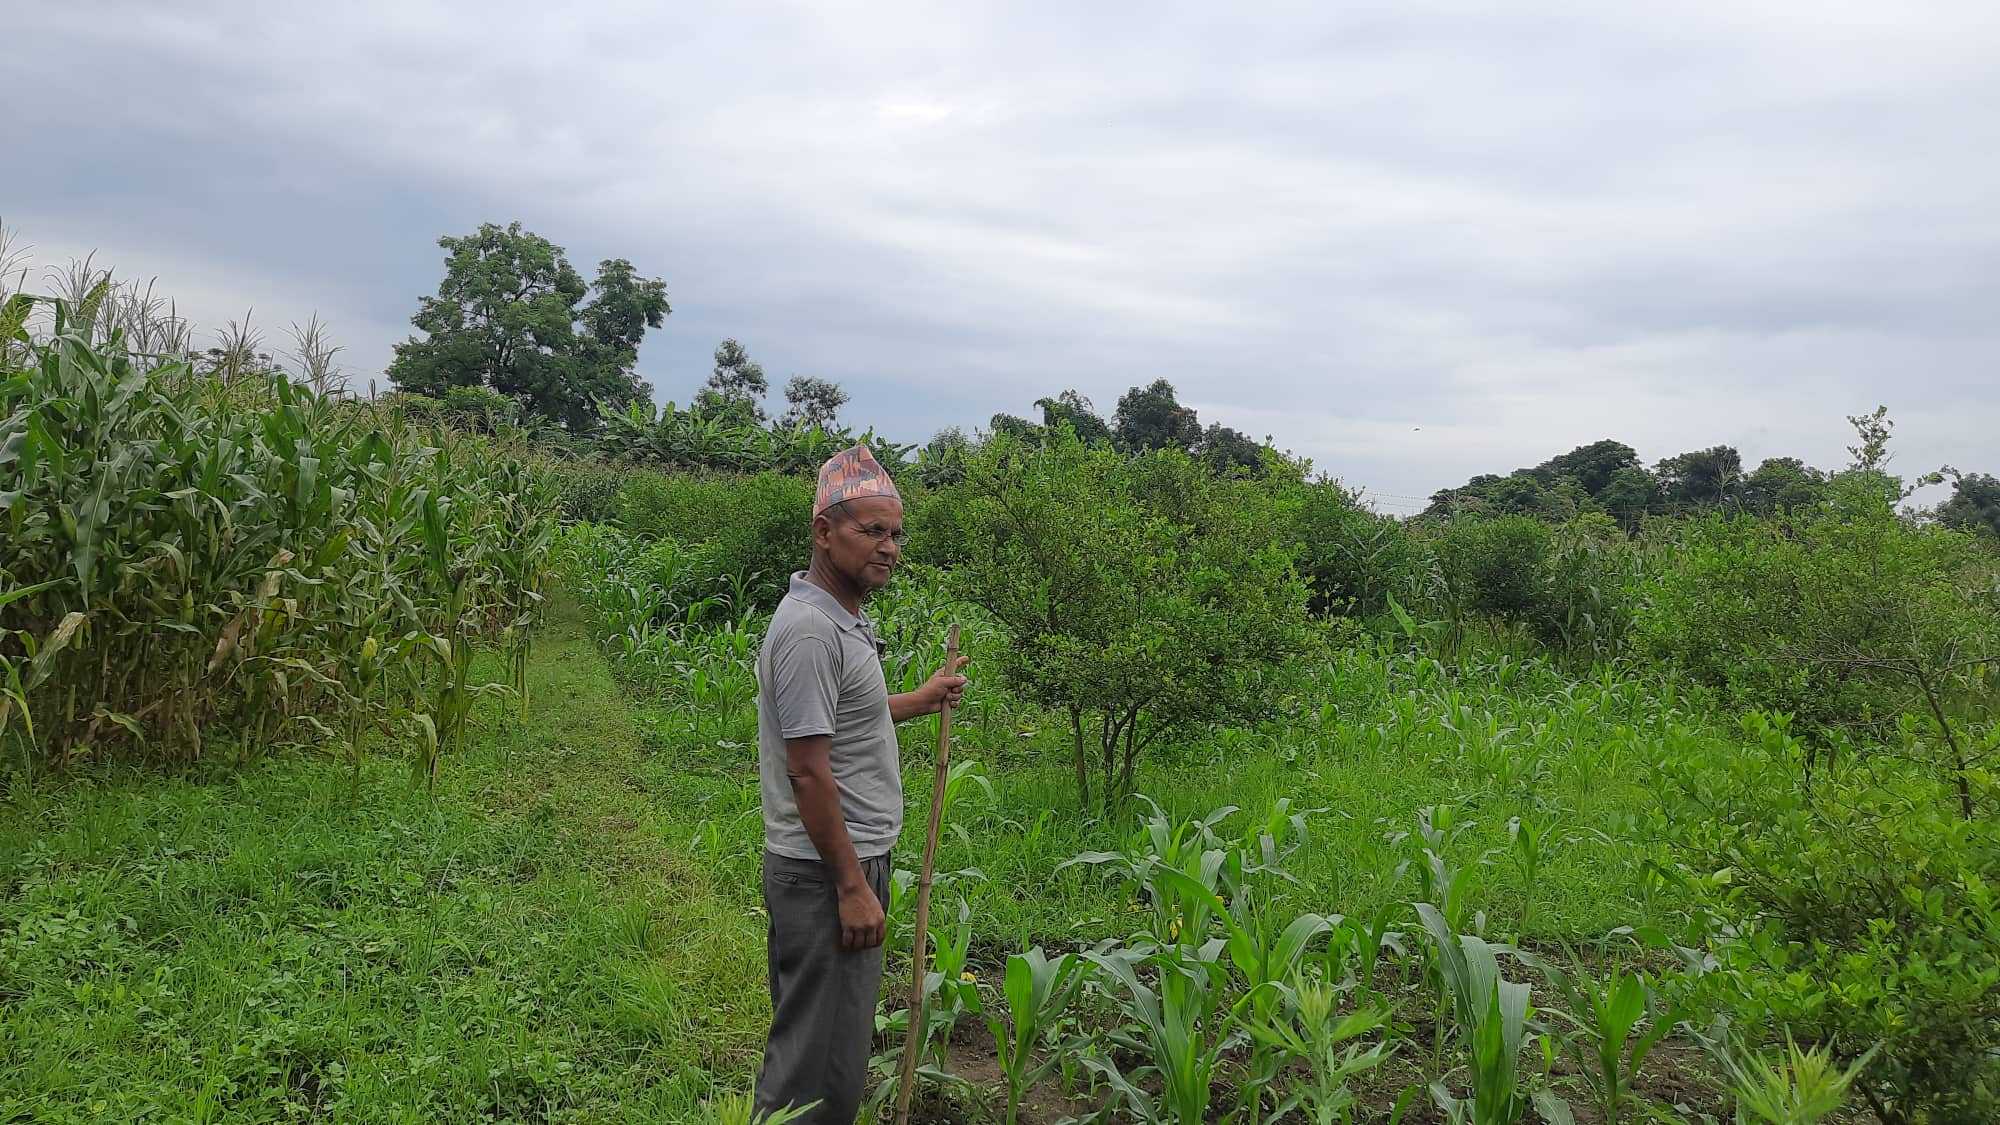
(1230, 452)
(1591, 465)
(1871, 439)
(510, 315)
(1014, 426)
(1152, 418)
(1074, 410)
(1974, 504)
(812, 402)
(1704, 476)
(736, 386)
(1783, 484)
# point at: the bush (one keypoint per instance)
(1353, 560)
(1495, 566)
(749, 533)
(1142, 597)
(589, 489)
(1594, 579)
(1848, 617)
(1860, 912)
(937, 522)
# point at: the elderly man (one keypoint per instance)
(833, 794)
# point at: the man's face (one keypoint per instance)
(861, 539)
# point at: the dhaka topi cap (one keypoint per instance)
(849, 474)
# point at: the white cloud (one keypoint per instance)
(1518, 227)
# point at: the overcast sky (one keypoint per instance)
(1413, 241)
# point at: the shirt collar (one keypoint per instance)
(806, 591)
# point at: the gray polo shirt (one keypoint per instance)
(820, 672)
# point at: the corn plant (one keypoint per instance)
(1182, 1028)
(1607, 1043)
(1037, 990)
(1529, 839)
(1191, 848)
(949, 982)
(191, 550)
(1799, 1087)
(1492, 1014)
(1308, 1027)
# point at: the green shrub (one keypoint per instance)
(747, 533)
(589, 489)
(1353, 560)
(1860, 912)
(1848, 617)
(937, 522)
(1143, 598)
(1593, 580)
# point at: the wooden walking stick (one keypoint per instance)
(919, 947)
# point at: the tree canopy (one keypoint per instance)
(811, 401)
(1974, 504)
(511, 314)
(1151, 417)
(736, 387)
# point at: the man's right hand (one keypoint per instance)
(862, 924)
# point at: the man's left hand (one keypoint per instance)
(945, 687)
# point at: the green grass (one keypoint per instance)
(1370, 741)
(249, 945)
(571, 929)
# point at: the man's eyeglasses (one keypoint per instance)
(882, 534)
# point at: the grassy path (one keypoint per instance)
(248, 945)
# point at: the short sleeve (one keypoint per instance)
(804, 686)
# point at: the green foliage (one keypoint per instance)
(745, 535)
(1607, 1042)
(589, 490)
(725, 440)
(1850, 617)
(1075, 411)
(1353, 560)
(1037, 990)
(813, 402)
(1868, 914)
(941, 463)
(1490, 567)
(1701, 478)
(1601, 476)
(1178, 1022)
(1800, 1087)
(1492, 1014)
(1784, 484)
(1310, 1028)
(1142, 597)
(510, 315)
(1151, 418)
(736, 388)
(1974, 504)
(187, 557)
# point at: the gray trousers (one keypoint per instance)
(822, 999)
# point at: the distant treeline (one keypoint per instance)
(1607, 476)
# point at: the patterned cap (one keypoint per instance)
(851, 473)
